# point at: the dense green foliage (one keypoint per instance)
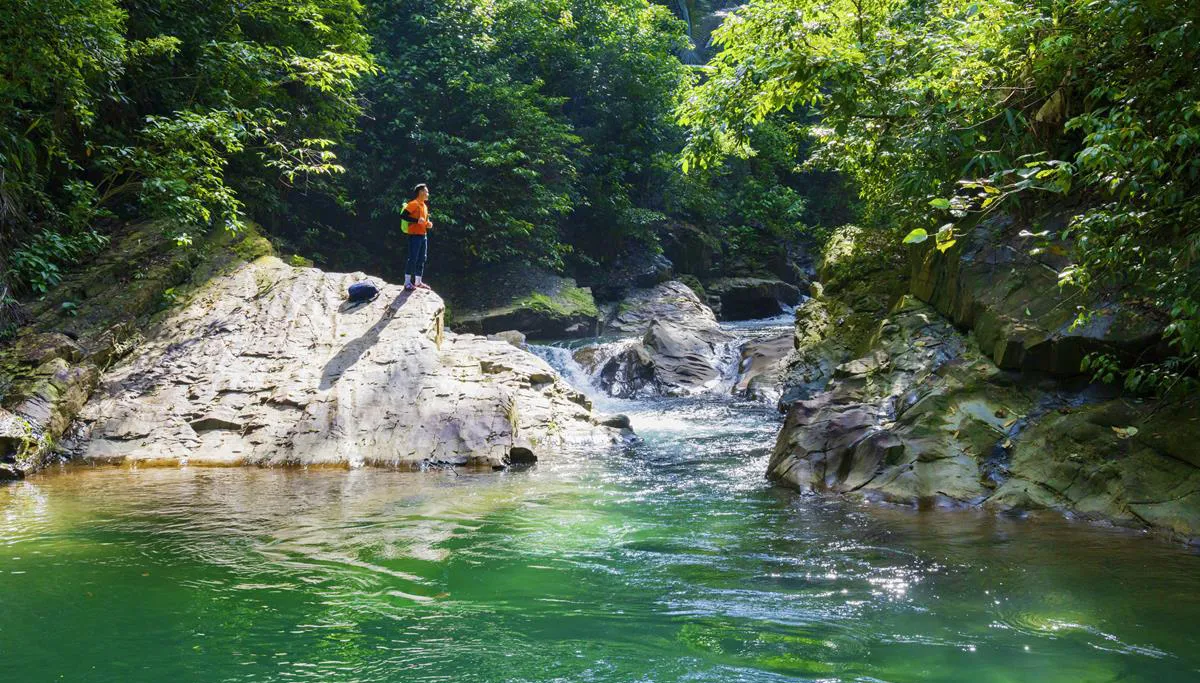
(181, 110)
(547, 133)
(945, 108)
(546, 130)
(519, 114)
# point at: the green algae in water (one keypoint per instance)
(674, 561)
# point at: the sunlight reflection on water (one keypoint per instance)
(670, 560)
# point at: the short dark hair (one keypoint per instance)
(418, 188)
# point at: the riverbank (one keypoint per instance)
(962, 384)
(232, 356)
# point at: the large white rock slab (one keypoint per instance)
(269, 365)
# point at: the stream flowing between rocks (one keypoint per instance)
(672, 559)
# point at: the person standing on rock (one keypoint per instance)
(416, 225)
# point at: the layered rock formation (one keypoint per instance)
(221, 354)
(763, 366)
(681, 348)
(93, 319)
(900, 405)
(268, 366)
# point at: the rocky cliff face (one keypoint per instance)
(900, 405)
(1015, 307)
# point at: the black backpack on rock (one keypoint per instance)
(360, 292)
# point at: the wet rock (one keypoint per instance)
(262, 366)
(744, 298)
(762, 368)
(681, 349)
(912, 422)
(10, 473)
(41, 405)
(520, 455)
(905, 408)
(1084, 461)
(616, 421)
(820, 345)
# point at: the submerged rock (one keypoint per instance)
(268, 365)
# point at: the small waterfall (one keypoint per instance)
(562, 359)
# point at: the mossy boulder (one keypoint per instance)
(853, 257)
(539, 304)
(1133, 463)
(1012, 300)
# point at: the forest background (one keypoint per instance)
(571, 135)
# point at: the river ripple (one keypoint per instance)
(672, 560)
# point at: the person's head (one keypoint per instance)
(421, 192)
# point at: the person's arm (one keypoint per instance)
(413, 218)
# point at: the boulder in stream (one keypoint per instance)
(763, 365)
(681, 348)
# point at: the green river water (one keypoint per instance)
(672, 560)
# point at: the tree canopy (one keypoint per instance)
(942, 108)
(181, 111)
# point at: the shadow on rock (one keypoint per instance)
(351, 352)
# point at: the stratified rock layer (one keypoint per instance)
(268, 365)
(681, 349)
(1013, 302)
(904, 407)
